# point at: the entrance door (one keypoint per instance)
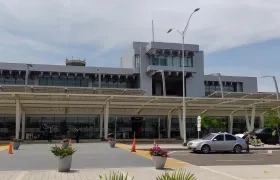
(137, 126)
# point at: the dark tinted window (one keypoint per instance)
(268, 131)
(209, 136)
(220, 137)
(230, 137)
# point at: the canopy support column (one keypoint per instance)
(180, 123)
(230, 123)
(18, 117)
(106, 119)
(101, 121)
(169, 125)
(253, 115)
(262, 121)
(23, 125)
(250, 124)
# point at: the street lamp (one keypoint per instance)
(26, 76)
(182, 33)
(275, 84)
(99, 81)
(163, 82)
(220, 82)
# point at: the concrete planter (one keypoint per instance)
(159, 161)
(112, 143)
(64, 144)
(64, 164)
(16, 145)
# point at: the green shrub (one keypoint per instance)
(62, 152)
(176, 175)
(115, 175)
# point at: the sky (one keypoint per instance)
(238, 37)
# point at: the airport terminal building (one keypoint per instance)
(148, 71)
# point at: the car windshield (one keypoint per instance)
(258, 130)
(209, 136)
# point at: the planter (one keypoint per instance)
(159, 161)
(64, 164)
(112, 143)
(64, 144)
(16, 145)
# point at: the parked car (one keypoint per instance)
(265, 135)
(218, 142)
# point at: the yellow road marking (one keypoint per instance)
(3, 147)
(170, 163)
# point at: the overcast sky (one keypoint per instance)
(239, 37)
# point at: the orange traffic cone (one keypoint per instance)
(70, 142)
(155, 144)
(133, 148)
(10, 150)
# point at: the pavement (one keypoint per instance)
(228, 159)
(179, 147)
(35, 161)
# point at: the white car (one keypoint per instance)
(218, 142)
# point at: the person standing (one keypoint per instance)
(50, 133)
(78, 133)
(246, 137)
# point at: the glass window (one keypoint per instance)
(176, 61)
(209, 136)
(230, 137)
(169, 61)
(155, 60)
(220, 137)
(137, 60)
(162, 61)
(188, 61)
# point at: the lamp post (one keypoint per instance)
(275, 84)
(182, 33)
(163, 82)
(99, 81)
(220, 82)
(26, 76)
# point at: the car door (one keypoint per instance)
(218, 143)
(230, 142)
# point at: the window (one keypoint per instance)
(154, 60)
(209, 137)
(230, 138)
(176, 61)
(220, 137)
(162, 61)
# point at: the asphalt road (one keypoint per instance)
(224, 159)
(88, 155)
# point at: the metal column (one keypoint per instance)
(169, 125)
(23, 125)
(18, 116)
(101, 121)
(106, 119)
(230, 123)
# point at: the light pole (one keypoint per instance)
(182, 33)
(220, 82)
(99, 81)
(163, 82)
(275, 84)
(26, 76)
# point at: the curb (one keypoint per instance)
(184, 149)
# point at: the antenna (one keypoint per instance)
(153, 32)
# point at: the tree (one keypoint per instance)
(272, 120)
(209, 123)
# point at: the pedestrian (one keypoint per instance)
(78, 133)
(247, 140)
(50, 133)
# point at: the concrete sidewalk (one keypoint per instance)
(201, 173)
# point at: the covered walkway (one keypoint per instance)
(78, 101)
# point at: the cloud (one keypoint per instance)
(49, 31)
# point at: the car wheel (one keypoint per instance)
(205, 149)
(237, 149)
